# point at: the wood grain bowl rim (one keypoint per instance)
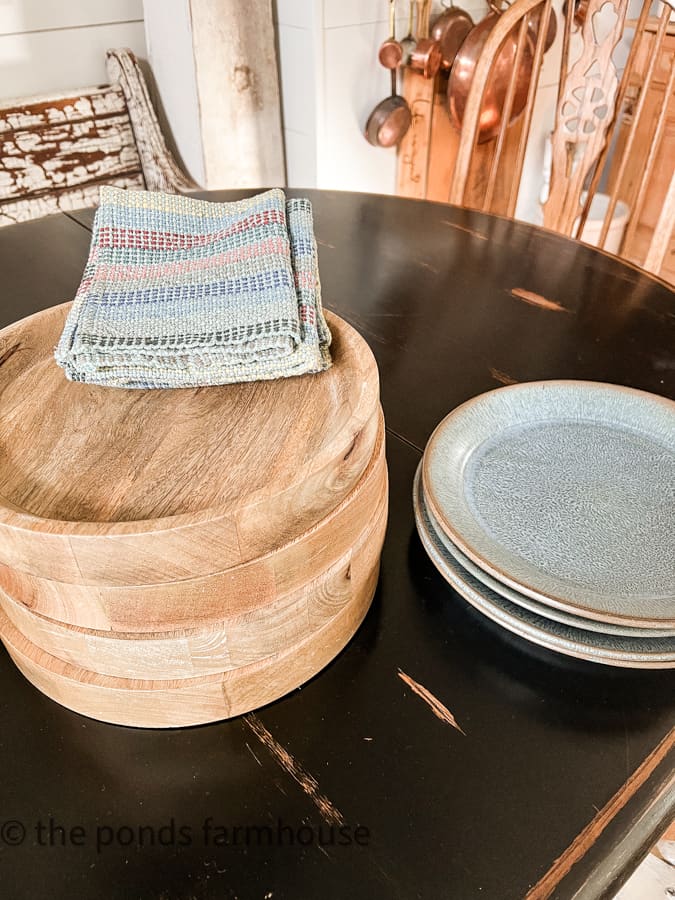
(306, 614)
(14, 639)
(282, 673)
(179, 555)
(16, 518)
(109, 592)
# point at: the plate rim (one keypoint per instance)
(575, 607)
(539, 609)
(543, 639)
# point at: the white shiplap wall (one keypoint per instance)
(51, 45)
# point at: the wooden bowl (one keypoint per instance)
(195, 602)
(208, 698)
(103, 486)
(239, 640)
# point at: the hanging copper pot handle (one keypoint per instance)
(426, 58)
(390, 53)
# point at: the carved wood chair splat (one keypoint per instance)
(585, 109)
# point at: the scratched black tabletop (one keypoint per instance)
(563, 771)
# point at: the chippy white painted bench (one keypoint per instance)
(56, 151)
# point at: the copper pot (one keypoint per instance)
(580, 11)
(551, 32)
(389, 121)
(461, 78)
(390, 53)
(450, 30)
(426, 54)
(426, 57)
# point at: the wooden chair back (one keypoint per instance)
(516, 19)
(56, 151)
(641, 134)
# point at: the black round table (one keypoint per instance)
(563, 773)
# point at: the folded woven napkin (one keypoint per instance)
(179, 292)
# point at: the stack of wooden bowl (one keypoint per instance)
(169, 558)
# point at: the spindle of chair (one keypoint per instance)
(565, 211)
(529, 105)
(570, 10)
(636, 119)
(516, 16)
(616, 116)
(648, 170)
(663, 231)
(506, 116)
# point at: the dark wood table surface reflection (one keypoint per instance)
(564, 774)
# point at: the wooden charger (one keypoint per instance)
(193, 701)
(238, 591)
(238, 641)
(103, 486)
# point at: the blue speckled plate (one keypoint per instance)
(612, 650)
(565, 492)
(541, 609)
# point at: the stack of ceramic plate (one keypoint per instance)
(175, 557)
(550, 508)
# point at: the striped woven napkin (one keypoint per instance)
(179, 292)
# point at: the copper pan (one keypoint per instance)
(580, 11)
(533, 25)
(390, 53)
(461, 77)
(426, 57)
(426, 54)
(389, 121)
(450, 30)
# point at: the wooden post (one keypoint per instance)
(220, 72)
